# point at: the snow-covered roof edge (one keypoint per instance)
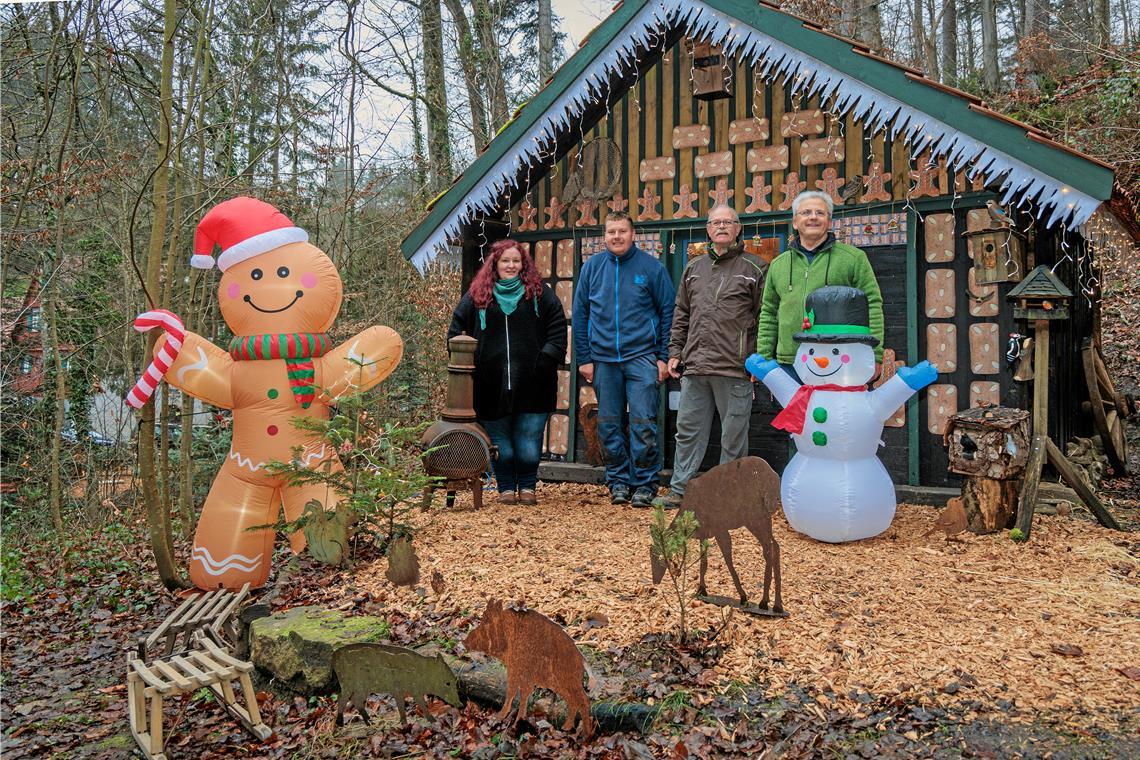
(1020, 183)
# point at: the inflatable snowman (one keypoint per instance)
(835, 488)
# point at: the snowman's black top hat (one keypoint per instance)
(836, 314)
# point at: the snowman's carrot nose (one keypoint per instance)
(822, 362)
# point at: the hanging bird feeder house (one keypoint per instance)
(712, 78)
(1040, 296)
(998, 253)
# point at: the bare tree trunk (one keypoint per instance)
(435, 91)
(1035, 11)
(971, 45)
(990, 76)
(490, 63)
(469, 63)
(418, 139)
(1101, 24)
(918, 33)
(869, 23)
(51, 276)
(949, 41)
(185, 460)
(158, 521)
(930, 43)
(545, 41)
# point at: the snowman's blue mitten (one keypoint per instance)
(919, 376)
(759, 367)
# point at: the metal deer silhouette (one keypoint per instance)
(740, 494)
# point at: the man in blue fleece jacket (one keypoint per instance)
(623, 310)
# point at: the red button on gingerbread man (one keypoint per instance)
(279, 295)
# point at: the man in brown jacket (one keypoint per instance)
(714, 329)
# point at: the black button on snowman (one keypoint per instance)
(835, 488)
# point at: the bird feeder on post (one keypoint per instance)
(1043, 298)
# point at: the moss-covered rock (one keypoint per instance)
(295, 647)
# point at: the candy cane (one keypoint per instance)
(165, 357)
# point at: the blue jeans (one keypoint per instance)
(636, 460)
(519, 438)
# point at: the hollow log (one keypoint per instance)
(486, 683)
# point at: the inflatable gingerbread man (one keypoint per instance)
(279, 295)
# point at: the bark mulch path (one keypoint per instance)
(1050, 626)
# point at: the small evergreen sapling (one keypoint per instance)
(669, 553)
(380, 480)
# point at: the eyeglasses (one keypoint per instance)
(721, 224)
(811, 212)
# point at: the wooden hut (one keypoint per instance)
(670, 106)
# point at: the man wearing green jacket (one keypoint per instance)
(814, 258)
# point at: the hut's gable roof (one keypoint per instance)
(1061, 185)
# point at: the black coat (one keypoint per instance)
(519, 374)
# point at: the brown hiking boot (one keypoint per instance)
(508, 497)
(528, 497)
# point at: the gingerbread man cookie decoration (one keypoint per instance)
(279, 295)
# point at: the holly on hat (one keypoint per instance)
(243, 228)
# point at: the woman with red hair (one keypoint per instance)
(521, 329)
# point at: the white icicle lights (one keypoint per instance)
(807, 76)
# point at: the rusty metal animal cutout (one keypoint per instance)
(743, 493)
(537, 654)
(363, 669)
(403, 565)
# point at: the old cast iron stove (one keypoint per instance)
(462, 450)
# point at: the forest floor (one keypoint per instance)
(910, 644)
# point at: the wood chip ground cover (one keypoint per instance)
(1053, 626)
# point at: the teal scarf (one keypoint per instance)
(508, 293)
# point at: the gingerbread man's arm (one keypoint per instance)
(202, 370)
(360, 362)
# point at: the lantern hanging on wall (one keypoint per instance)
(998, 254)
(712, 79)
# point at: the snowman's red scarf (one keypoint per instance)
(792, 418)
(297, 349)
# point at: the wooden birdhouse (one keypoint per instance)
(988, 441)
(1040, 296)
(712, 76)
(998, 253)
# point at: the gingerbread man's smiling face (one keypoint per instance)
(293, 288)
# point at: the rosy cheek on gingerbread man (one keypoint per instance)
(234, 290)
(309, 280)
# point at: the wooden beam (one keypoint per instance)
(1058, 460)
(1028, 501)
(1041, 378)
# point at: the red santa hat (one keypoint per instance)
(243, 228)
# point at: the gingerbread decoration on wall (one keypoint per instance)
(875, 184)
(279, 295)
(527, 213)
(648, 202)
(759, 195)
(793, 186)
(685, 200)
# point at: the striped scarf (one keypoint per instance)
(297, 349)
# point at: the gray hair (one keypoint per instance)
(813, 195)
(725, 207)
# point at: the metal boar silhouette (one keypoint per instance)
(363, 669)
(537, 654)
